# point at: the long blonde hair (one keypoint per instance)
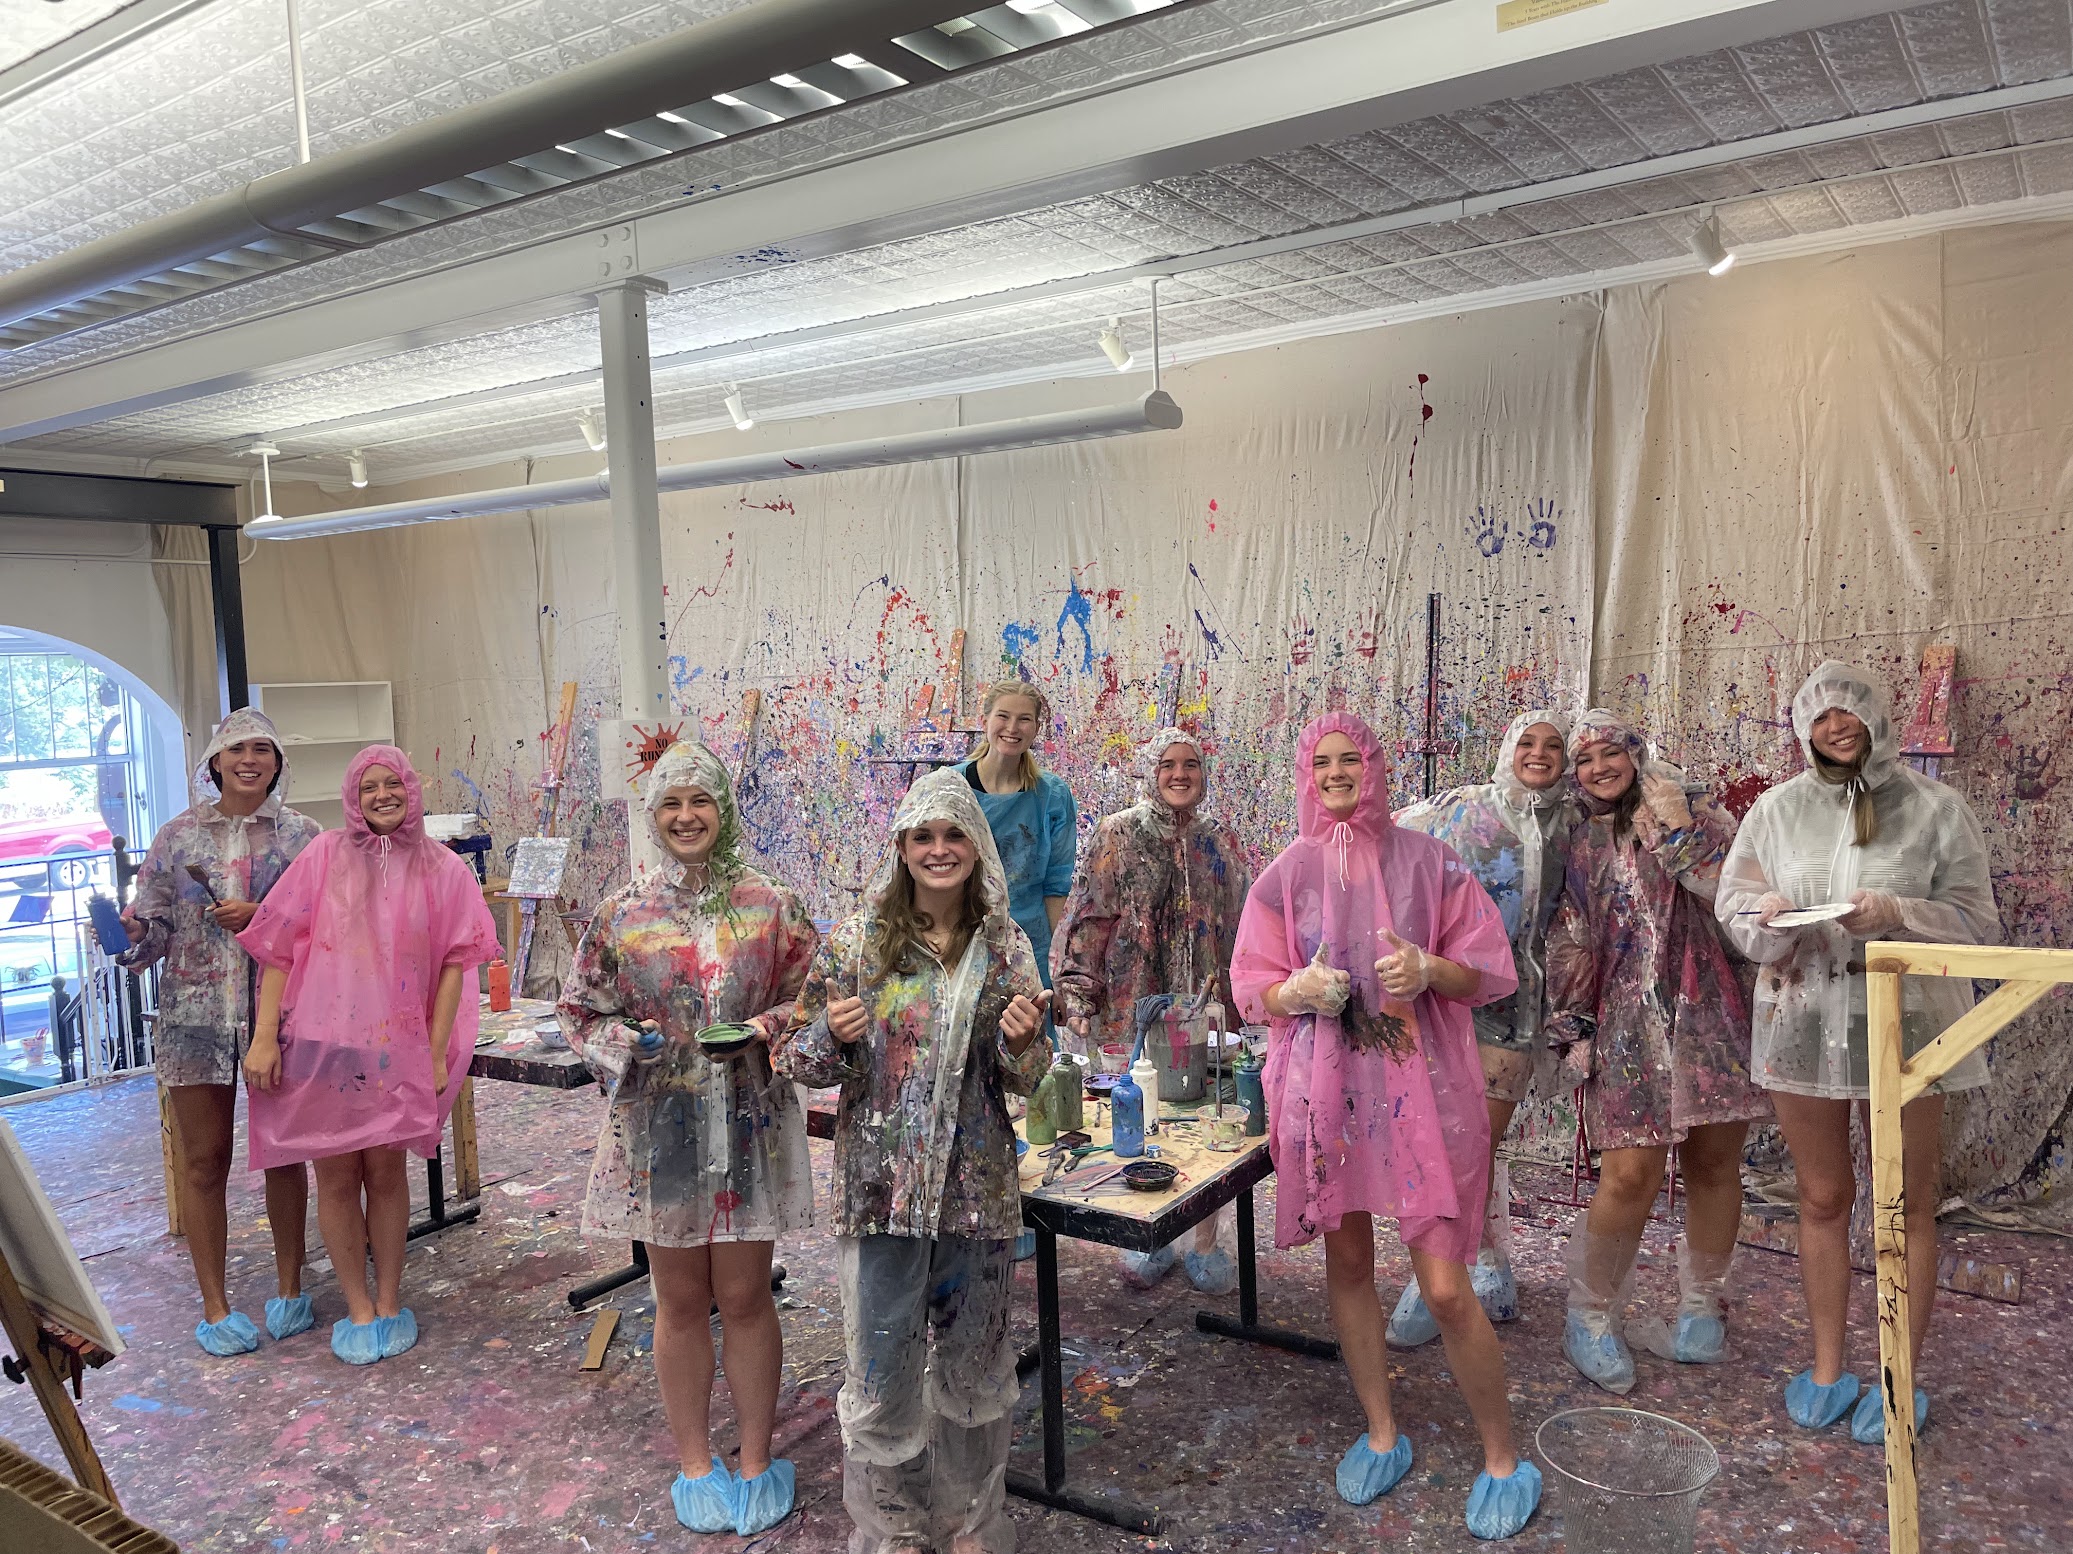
(1029, 774)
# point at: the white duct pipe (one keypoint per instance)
(1156, 412)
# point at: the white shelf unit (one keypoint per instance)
(323, 726)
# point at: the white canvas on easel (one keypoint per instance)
(45, 1263)
(537, 865)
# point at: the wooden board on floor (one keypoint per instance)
(600, 1337)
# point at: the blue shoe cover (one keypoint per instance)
(1602, 1356)
(1701, 1340)
(1868, 1423)
(1214, 1272)
(1497, 1292)
(1499, 1507)
(1025, 1246)
(760, 1503)
(1145, 1269)
(705, 1504)
(1412, 1323)
(398, 1333)
(287, 1315)
(356, 1343)
(1814, 1407)
(235, 1334)
(1366, 1474)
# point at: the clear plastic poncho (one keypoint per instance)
(1799, 841)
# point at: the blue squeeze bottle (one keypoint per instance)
(1126, 1117)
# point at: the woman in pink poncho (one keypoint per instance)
(365, 1028)
(1365, 946)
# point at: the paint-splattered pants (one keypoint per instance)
(926, 1403)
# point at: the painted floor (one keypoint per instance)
(488, 1438)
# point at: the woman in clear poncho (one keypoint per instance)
(1907, 855)
(701, 1159)
(1513, 833)
(365, 1028)
(925, 1007)
(1154, 910)
(1365, 946)
(1650, 1012)
(241, 838)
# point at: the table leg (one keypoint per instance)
(1248, 1326)
(583, 1294)
(436, 1215)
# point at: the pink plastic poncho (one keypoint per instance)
(1370, 1112)
(363, 925)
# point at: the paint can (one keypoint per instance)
(1179, 1050)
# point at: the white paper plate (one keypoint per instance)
(1827, 912)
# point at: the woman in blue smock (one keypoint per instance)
(1029, 809)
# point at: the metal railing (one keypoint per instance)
(67, 1012)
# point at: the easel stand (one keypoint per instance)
(2026, 976)
(47, 1361)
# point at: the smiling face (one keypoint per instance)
(1537, 759)
(1605, 771)
(383, 799)
(689, 820)
(1840, 736)
(1012, 726)
(1335, 766)
(939, 856)
(1177, 779)
(245, 770)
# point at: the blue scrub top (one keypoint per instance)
(1036, 831)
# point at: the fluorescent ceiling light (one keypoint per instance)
(738, 409)
(1716, 256)
(786, 80)
(1111, 342)
(850, 61)
(729, 99)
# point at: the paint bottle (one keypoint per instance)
(499, 986)
(1252, 1094)
(1145, 1075)
(1126, 1117)
(1040, 1127)
(1068, 1092)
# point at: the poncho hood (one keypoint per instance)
(1370, 817)
(245, 723)
(1857, 693)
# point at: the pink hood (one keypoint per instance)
(1371, 815)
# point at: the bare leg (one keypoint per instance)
(1712, 1161)
(287, 1216)
(388, 1224)
(684, 1360)
(342, 1219)
(754, 1344)
(1500, 1123)
(1628, 1180)
(1817, 1131)
(1349, 1277)
(1921, 1136)
(1474, 1354)
(202, 1116)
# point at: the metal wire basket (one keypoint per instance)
(1629, 1481)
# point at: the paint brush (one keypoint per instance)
(200, 876)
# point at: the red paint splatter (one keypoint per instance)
(704, 591)
(782, 505)
(1424, 415)
(1744, 791)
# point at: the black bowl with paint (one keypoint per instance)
(723, 1041)
(1099, 1085)
(1149, 1175)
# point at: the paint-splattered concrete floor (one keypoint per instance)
(487, 1437)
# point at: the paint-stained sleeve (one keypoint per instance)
(1693, 854)
(808, 1053)
(152, 905)
(1259, 959)
(1960, 907)
(1019, 1074)
(1743, 883)
(592, 1010)
(1080, 947)
(1064, 820)
(1471, 933)
(796, 939)
(1572, 966)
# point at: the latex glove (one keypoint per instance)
(1769, 906)
(1023, 1018)
(1407, 972)
(1319, 988)
(647, 1042)
(1080, 1025)
(847, 1020)
(1666, 801)
(1873, 915)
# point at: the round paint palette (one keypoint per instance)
(1804, 917)
(1149, 1175)
(720, 1041)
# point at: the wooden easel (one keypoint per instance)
(47, 1359)
(2026, 976)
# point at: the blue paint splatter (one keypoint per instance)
(1017, 639)
(1079, 610)
(481, 803)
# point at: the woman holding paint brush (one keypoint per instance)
(1365, 946)
(680, 984)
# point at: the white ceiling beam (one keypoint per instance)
(1383, 71)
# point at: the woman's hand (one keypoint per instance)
(263, 1061)
(1407, 972)
(1770, 906)
(233, 916)
(1023, 1018)
(1873, 914)
(441, 1077)
(848, 1019)
(1666, 801)
(1319, 988)
(647, 1043)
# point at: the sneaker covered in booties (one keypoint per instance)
(287, 1315)
(1868, 1422)
(356, 1343)
(1701, 1340)
(1214, 1272)
(760, 1503)
(1497, 1292)
(235, 1334)
(1499, 1507)
(1366, 1474)
(1145, 1269)
(1596, 1350)
(398, 1333)
(705, 1504)
(1815, 1407)
(1412, 1323)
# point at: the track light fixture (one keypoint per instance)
(593, 432)
(356, 467)
(738, 408)
(1111, 342)
(1713, 254)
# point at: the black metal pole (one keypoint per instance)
(233, 689)
(1432, 692)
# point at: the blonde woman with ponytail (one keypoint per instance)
(1907, 856)
(1029, 810)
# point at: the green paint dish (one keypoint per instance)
(721, 1041)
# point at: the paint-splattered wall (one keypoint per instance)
(1680, 496)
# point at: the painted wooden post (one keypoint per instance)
(1889, 1242)
(467, 1161)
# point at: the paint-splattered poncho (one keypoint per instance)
(1036, 830)
(205, 990)
(1378, 1109)
(923, 1143)
(1644, 997)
